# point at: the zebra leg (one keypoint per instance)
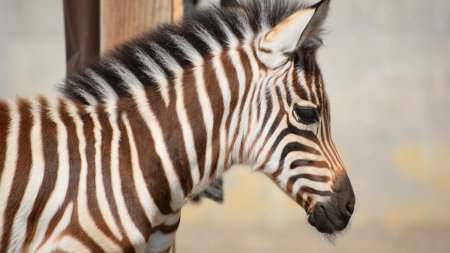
(161, 242)
(162, 238)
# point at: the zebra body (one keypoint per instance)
(108, 167)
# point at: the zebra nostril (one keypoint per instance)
(350, 206)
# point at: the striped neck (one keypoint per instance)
(194, 125)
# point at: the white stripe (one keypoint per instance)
(275, 158)
(237, 64)
(208, 118)
(176, 191)
(52, 243)
(317, 171)
(9, 168)
(302, 82)
(129, 79)
(257, 121)
(131, 230)
(188, 135)
(188, 49)
(253, 134)
(232, 40)
(304, 182)
(205, 104)
(62, 180)
(70, 244)
(204, 35)
(102, 201)
(34, 183)
(226, 97)
(90, 99)
(154, 70)
(265, 132)
(85, 219)
(106, 91)
(247, 110)
(145, 199)
(314, 88)
(168, 61)
(143, 106)
(149, 117)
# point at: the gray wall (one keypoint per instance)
(386, 64)
(31, 47)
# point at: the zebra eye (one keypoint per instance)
(306, 115)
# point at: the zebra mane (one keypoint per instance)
(157, 55)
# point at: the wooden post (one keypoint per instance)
(123, 19)
(82, 32)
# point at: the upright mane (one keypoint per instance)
(154, 56)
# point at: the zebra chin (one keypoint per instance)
(334, 215)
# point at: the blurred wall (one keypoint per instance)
(386, 65)
(31, 47)
(387, 68)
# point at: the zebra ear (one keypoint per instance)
(289, 35)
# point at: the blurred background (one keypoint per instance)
(387, 69)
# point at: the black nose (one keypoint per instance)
(350, 206)
(335, 214)
(345, 196)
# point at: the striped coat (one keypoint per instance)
(108, 166)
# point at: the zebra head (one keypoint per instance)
(294, 145)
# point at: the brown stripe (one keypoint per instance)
(167, 229)
(133, 206)
(273, 127)
(311, 87)
(195, 117)
(22, 171)
(75, 231)
(91, 190)
(51, 164)
(293, 179)
(234, 95)
(250, 101)
(253, 112)
(324, 139)
(247, 69)
(105, 148)
(74, 169)
(150, 163)
(328, 140)
(217, 104)
(309, 204)
(173, 135)
(256, 110)
(287, 90)
(265, 50)
(297, 85)
(309, 190)
(303, 163)
(267, 114)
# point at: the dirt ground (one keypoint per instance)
(251, 239)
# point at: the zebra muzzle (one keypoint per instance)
(334, 215)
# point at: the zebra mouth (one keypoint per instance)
(334, 215)
(327, 220)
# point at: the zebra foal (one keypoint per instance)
(108, 166)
